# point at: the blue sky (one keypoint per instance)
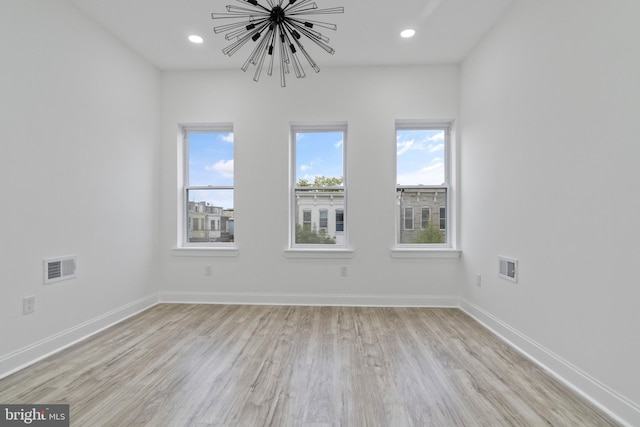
(211, 158)
(420, 157)
(420, 160)
(211, 163)
(319, 154)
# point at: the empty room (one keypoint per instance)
(299, 213)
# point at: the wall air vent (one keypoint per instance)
(62, 268)
(508, 268)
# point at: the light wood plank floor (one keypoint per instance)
(219, 365)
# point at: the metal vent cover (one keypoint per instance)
(508, 268)
(61, 268)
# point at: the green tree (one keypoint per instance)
(310, 235)
(431, 234)
(321, 181)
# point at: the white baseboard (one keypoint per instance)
(30, 354)
(617, 406)
(309, 299)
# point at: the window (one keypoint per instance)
(408, 218)
(318, 186)
(424, 221)
(324, 220)
(208, 191)
(306, 220)
(339, 220)
(422, 183)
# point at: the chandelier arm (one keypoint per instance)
(238, 33)
(292, 6)
(331, 10)
(234, 47)
(295, 61)
(282, 43)
(229, 27)
(284, 67)
(255, 4)
(312, 34)
(319, 42)
(251, 60)
(307, 56)
(272, 54)
(309, 9)
(248, 16)
(238, 9)
(310, 24)
(262, 44)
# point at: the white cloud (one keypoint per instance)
(338, 144)
(405, 146)
(434, 148)
(223, 167)
(227, 138)
(430, 175)
(437, 137)
(310, 165)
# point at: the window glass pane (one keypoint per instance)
(420, 157)
(319, 158)
(421, 185)
(319, 187)
(208, 184)
(210, 216)
(210, 158)
(314, 225)
(433, 230)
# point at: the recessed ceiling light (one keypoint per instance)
(408, 33)
(195, 39)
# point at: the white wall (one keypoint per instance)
(369, 99)
(78, 169)
(550, 107)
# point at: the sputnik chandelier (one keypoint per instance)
(277, 27)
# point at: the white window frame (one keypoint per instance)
(305, 250)
(435, 250)
(184, 247)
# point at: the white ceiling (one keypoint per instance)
(368, 31)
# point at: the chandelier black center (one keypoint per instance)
(277, 15)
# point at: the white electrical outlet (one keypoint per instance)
(344, 271)
(478, 280)
(28, 305)
(208, 270)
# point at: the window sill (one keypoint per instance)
(205, 252)
(426, 253)
(318, 253)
